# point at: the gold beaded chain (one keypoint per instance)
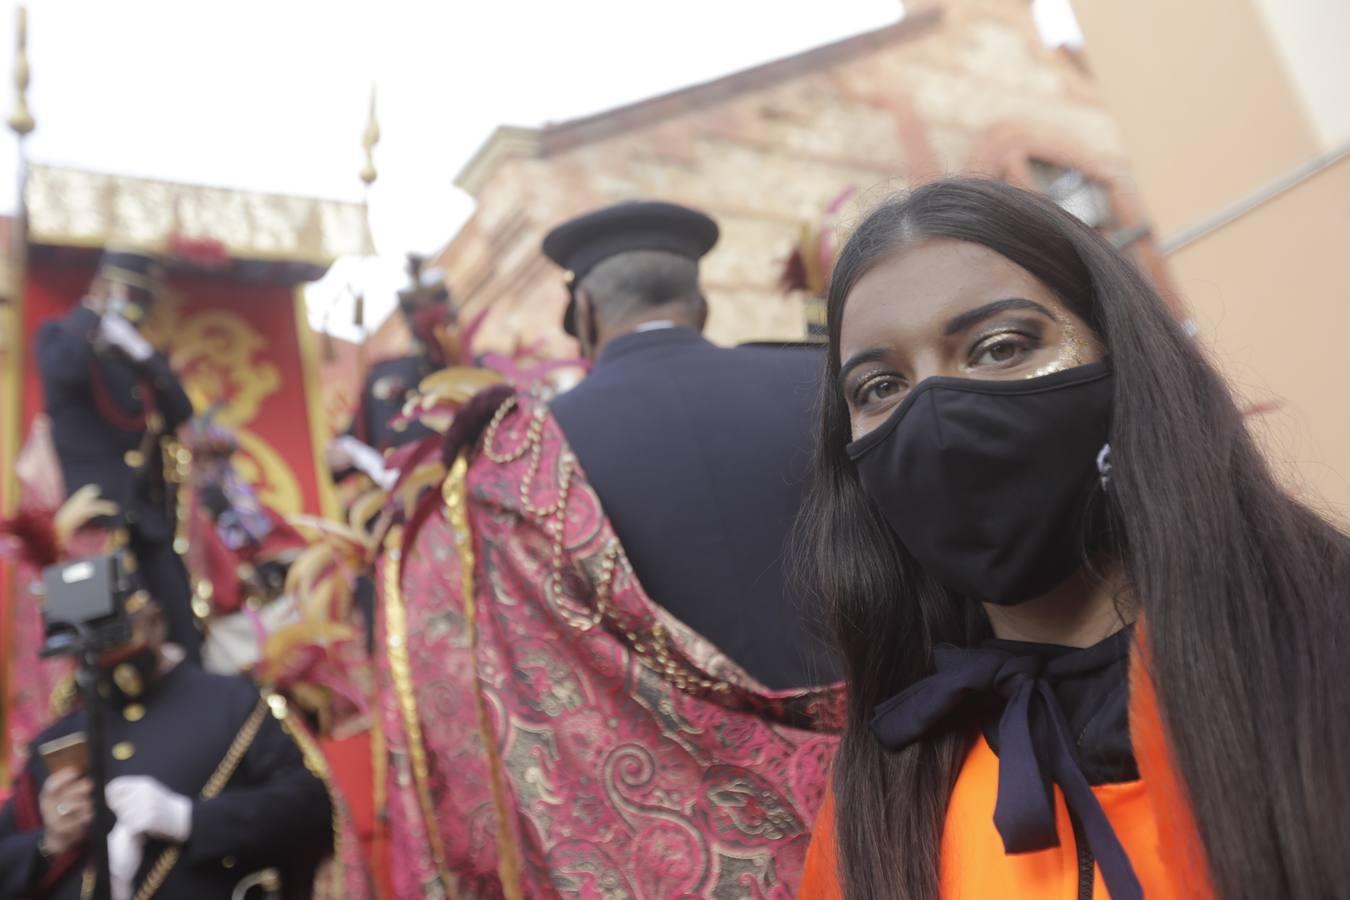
(653, 649)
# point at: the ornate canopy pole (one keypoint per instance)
(368, 174)
(21, 122)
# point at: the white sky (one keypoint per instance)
(271, 95)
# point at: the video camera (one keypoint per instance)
(85, 605)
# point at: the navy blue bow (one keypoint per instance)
(1033, 741)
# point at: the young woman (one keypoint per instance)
(1093, 648)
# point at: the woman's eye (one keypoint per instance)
(1003, 350)
(875, 389)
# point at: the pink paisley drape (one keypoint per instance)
(532, 753)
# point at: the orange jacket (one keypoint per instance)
(1150, 816)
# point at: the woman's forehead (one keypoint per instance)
(917, 290)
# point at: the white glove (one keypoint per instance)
(144, 806)
(125, 850)
(368, 460)
(120, 333)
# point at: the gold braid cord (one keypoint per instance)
(214, 785)
(400, 672)
(455, 493)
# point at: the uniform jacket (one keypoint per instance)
(272, 812)
(389, 384)
(100, 403)
(699, 455)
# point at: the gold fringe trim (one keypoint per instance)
(454, 491)
(400, 671)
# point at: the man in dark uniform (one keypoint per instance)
(204, 784)
(112, 400)
(699, 453)
(429, 314)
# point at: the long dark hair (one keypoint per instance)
(1244, 591)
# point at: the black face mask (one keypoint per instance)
(990, 484)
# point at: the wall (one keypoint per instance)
(1213, 117)
(1206, 107)
(1271, 293)
(1313, 37)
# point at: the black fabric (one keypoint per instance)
(389, 385)
(162, 572)
(273, 812)
(580, 244)
(990, 484)
(92, 449)
(1094, 696)
(700, 457)
(1036, 740)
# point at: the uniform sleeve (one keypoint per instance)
(278, 807)
(171, 400)
(64, 352)
(20, 863)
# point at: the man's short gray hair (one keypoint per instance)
(633, 283)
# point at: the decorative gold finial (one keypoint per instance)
(369, 140)
(21, 120)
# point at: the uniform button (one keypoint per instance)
(228, 862)
(133, 712)
(134, 458)
(123, 751)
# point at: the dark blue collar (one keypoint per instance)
(642, 341)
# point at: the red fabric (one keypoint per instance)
(558, 760)
(281, 418)
(35, 534)
(352, 765)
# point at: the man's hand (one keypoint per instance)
(145, 807)
(118, 332)
(67, 809)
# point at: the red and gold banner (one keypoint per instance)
(243, 350)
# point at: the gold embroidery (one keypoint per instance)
(400, 672)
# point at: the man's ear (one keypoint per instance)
(588, 330)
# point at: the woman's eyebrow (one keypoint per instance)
(980, 313)
(872, 354)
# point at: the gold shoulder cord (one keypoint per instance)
(222, 775)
